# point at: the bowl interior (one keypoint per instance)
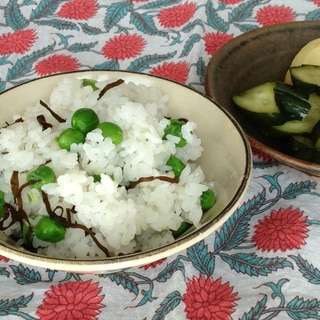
(255, 57)
(226, 159)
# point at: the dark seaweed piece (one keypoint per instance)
(16, 213)
(109, 86)
(183, 120)
(15, 121)
(179, 119)
(148, 179)
(43, 122)
(55, 115)
(66, 222)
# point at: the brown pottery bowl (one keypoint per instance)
(226, 159)
(255, 57)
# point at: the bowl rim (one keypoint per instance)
(302, 165)
(110, 264)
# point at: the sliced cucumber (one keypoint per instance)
(301, 147)
(306, 124)
(291, 101)
(308, 54)
(306, 77)
(259, 105)
(315, 134)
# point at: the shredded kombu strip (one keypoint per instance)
(15, 121)
(148, 179)
(18, 214)
(109, 86)
(43, 122)
(180, 119)
(66, 222)
(55, 115)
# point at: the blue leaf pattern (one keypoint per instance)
(159, 4)
(143, 63)
(58, 24)
(146, 24)
(308, 271)
(24, 275)
(243, 11)
(170, 270)
(81, 47)
(12, 307)
(274, 279)
(14, 17)
(90, 30)
(257, 311)
(253, 265)
(171, 302)
(303, 309)
(125, 280)
(201, 258)
(235, 230)
(24, 65)
(45, 8)
(115, 13)
(187, 48)
(214, 20)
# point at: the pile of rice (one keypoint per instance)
(124, 221)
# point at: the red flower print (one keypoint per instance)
(208, 299)
(123, 46)
(174, 71)
(56, 63)
(214, 41)
(262, 155)
(176, 16)
(316, 2)
(4, 259)
(71, 301)
(153, 264)
(18, 41)
(270, 15)
(79, 9)
(283, 230)
(231, 1)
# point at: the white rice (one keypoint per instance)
(123, 220)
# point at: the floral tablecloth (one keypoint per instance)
(263, 263)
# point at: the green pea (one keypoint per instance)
(70, 136)
(48, 229)
(84, 120)
(174, 129)
(41, 176)
(112, 131)
(91, 83)
(96, 178)
(2, 203)
(184, 226)
(207, 199)
(27, 233)
(176, 165)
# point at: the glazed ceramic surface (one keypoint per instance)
(255, 57)
(226, 159)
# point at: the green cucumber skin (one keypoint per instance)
(259, 99)
(301, 147)
(306, 78)
(291, 101)
(294, 112)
